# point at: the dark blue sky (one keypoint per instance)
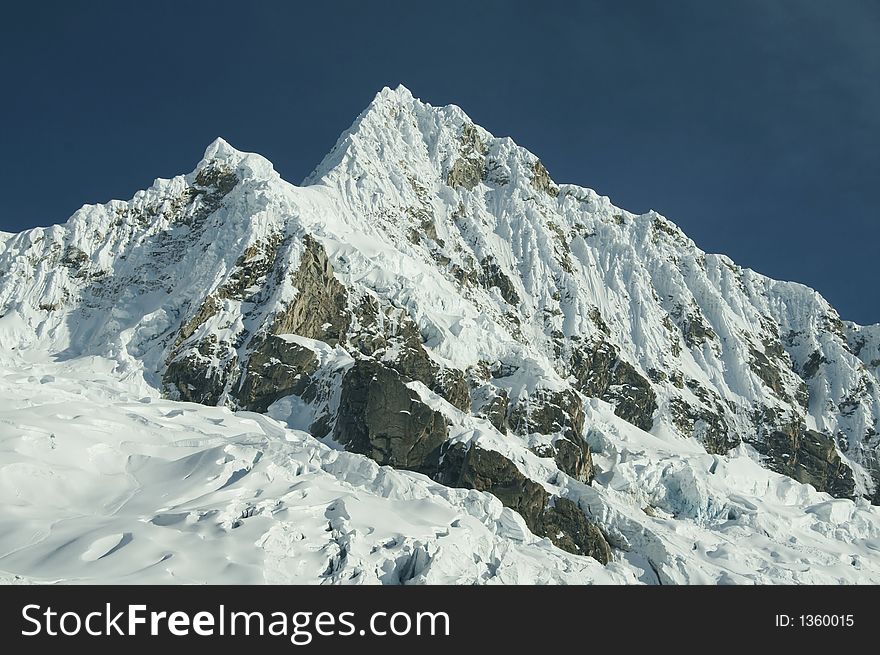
(754, 125)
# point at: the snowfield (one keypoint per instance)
(230, 378)
(105, 482)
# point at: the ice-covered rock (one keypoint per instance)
(429, 289)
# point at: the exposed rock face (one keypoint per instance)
(366, 335)
(276, 368)
(541, 179)
(193, 377)
(693, 327)
(410, 358)
(708, 426)
(379, 416)
(488, 470)
(388, 333)
(492, 403)
(466, 172)
(206, 310)
(549, 412)
(319, 309)
(812, 365)
(391, 336)
(198, 371)
(470, 167)
(561, 413)
(768, 372)
(493, 276)
(564, 523)
(251, 269)
(452, 385)
(568, 528)
(809, 457)
(216, 181)
(601, 373)
(73, 257)
(318, 312)
(574, 458)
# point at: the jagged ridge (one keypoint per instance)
(446, 265)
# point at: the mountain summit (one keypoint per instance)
(431, 299)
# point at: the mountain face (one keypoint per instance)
(431, 299)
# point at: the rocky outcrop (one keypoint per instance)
(491, 403)
(574, 458)
(768, 372)
(452, 385)
(212, 184)
(558, 413)
(391, 336)
(541, 180)
(73, 257)
(410, 358)
(809, 457)
(189, 364)
(559, 519)
(366, 334)
(813, 363)
(379, 416)
(693, 326)
(209, 307)
(319, 310)
(549, 412)
(470, 167)
(487, 470)
(492, 276)
(705, 419)
(466, 172)
(201, 374)
(216, 181)
(571, 457)
(277, 367)
(708, 426)
(251, 269)
(601, 373)
(569, 529)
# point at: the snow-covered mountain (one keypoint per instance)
(549, 383)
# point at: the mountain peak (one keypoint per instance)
(399, 94)
(394, 115)
(244, 164)
(634, 385)
(220, 149)
(387, 104)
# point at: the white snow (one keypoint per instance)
(101, 484)
(104, 481)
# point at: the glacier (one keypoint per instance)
(427, 363)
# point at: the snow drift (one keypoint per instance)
(430, 362)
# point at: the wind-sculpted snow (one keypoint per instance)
(100, 483)
(106, 482)
(609, 364)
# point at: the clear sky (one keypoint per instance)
(752, 124)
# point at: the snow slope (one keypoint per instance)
(107, 483)
(104, 482)
(513, 314)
